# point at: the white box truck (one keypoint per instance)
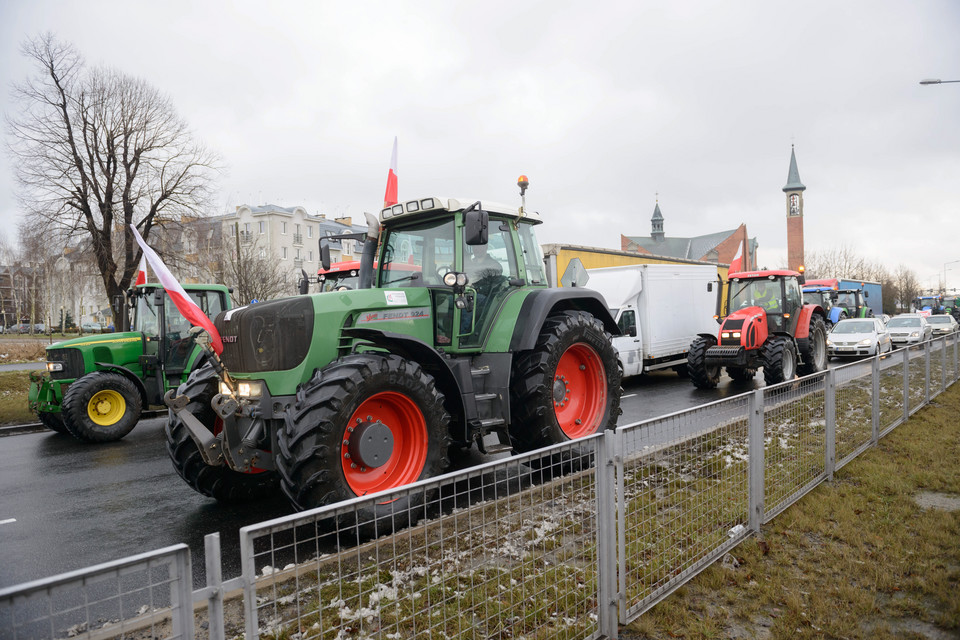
(660, 309)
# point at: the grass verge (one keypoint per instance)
(874, 554)
(14, 387)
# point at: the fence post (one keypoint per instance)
(906, 383)
(956, 359)
(756, 467)
(943, 365)
(211, 552)
(608, 454)
(830, 402)
(875, 383)
(181, 597)
(249, 577)
(926, 371)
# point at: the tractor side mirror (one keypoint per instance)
(304, 286)
(475, 225)
(324, 255)
(117, 305)
(866, 294)
(158, 297)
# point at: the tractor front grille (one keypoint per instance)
(72, 361)
(268, 336)
(726, 355)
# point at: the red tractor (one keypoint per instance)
(768, 326)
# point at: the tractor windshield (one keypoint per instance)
(761, 292)
(814, 297)
(147, 321)
(847, 300)
(333, 281)
(418, 255)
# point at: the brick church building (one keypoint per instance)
(719, 247)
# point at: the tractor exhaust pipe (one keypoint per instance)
(369, 251)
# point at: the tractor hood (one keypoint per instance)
(93, 341)
(747, 327)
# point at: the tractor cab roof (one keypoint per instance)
(757, 275)
(429, 206)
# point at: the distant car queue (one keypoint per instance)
(869, 336)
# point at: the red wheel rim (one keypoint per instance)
(579, 391)
(410, 445)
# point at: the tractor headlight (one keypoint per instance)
(245, 388)
(54, 366)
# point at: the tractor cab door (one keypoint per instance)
(490, 268)
(792, 303)
(178, 343)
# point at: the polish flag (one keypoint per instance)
(184, 303)
(736, 264)
(390, 197)
(142, 271)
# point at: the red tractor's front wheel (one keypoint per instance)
(566, 387)
(368, 422)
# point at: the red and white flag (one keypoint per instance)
(390, 197)
(736, 264)
(184, 303)
(142, 271)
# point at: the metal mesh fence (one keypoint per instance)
(937, 352)
(148, 595)
(918, 377)
(794, 441)
(891, 391)
(508, 549)
(683, 497)
(853, 402)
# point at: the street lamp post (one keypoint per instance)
(945, 271)
(937, 81)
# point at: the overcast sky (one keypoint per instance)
(602, 105)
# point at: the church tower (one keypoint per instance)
(656, 225)
(794, 192)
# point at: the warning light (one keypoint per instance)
(523, 183)
(800, 268)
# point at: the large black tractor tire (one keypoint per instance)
(102, 406)
(53, 421)
(702, 375)
(566, 387)
(779, 360)
(220, 482)
(813, 348)
(741, 374)
(367, 422)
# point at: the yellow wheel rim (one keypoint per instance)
(106, 407)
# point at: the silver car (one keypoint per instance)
(858, 337)
(942, 324)
(909, 328)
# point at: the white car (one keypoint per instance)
(942, 324)
(858, 337)
(909, 328)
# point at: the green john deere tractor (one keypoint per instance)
(96, 386)
(453, 339)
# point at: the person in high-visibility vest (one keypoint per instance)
(766, 296)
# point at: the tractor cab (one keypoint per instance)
(776, 293)
(168, 343)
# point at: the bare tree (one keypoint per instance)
(98, 150)
(252, 270)
(907, 287)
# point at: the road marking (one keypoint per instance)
(629, 395)
(8, 521)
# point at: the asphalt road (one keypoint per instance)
(65, 505)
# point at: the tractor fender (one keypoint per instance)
(126, 373)
(804, 316)
(539, 304)
(423, 354)
(835, 315)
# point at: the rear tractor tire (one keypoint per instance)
(741, 374)
(101, 407)
(566, 387)
(221, 483)
(367, 422)
(779, 360)
(702, 375)
(813, 349)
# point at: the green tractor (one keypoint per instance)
(453, 339)
(96, 386)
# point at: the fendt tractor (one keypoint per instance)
(768, 326)
(96, 386)
(453, 339)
